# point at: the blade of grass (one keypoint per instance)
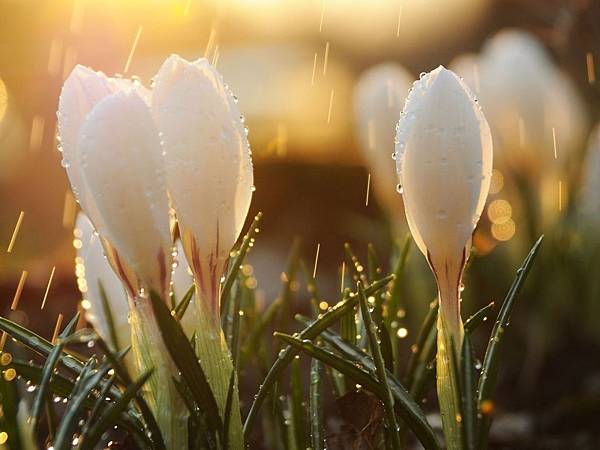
(468, 392)
(184, 357)
(374, 271)
(417, 349)
(395, 287)
(100, 402)
(316, 412)
(479, 317)
(357, 269)
(185, 301)
(264, 320)
(406, 407)
(285, 356)
(49, 366)
(236, 263)
(38, 344)
(388, 400)
(227, 415)
(489, 372)
(88, 382)
(296, 400)
(89, 440)
(236, 325)
(120, 370)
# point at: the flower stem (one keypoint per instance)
(160, 392)
(449, 341)
(216, 362)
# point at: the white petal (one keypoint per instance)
(82, 90)
(378, 100)
(97, 270)
(122, 168)
(207, 158)
(444, 163)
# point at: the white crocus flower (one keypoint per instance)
(208, 166)
(125, 148)
(209, 174)
(112, 154)
(528, 101)
(444, 163)
(378, 99)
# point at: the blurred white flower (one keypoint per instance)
(590, 190)
(378, 100)
(444, 163)
(528, 101)
(208, 166)
(92, 269)
(112, 154)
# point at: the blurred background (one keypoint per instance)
(321, 84)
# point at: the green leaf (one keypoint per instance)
(296, 400)
(235, 264)
(361, 359)
(478, 318)
(408, 410)
(49, 367)
(89, 440)
(388, 400)
(38, 344)
(386, 347)
(185, 301)
(395, 287)
(100, 401)
(88, 382)
(316, 411)
(418, 355)
(184, 357)
(489, 372)
(264, 320)
(286, 355)
(374, 271)
(357, 269)
(121, 372)
(227, 414)
(468, 393)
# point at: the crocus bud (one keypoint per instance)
(113, 157)
(529, 102)
(210, 180)
(444, 162)
(378, 99)
(208, 166)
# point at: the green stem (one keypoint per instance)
(449, 341)
(160, 392)
(215, 360)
